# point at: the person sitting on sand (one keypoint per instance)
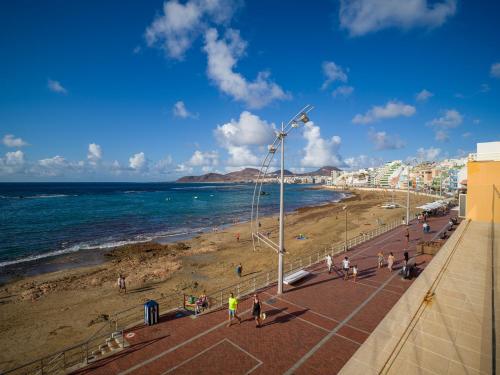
(121, 284)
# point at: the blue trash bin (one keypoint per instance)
(151, 313)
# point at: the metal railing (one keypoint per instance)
(80, 354)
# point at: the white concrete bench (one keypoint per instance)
(296, 276)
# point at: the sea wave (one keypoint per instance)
(218, 187)
(96, 246)
(37, 196)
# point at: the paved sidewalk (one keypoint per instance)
(313, 328)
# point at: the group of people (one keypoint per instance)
(347, 268)
(257, 312)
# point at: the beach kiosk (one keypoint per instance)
(151, 312)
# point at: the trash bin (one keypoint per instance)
(151, 313)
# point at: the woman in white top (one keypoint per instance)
(329, 263)
(345, 267)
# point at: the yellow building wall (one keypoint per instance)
(481, 178)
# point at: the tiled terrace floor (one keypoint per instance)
(313, 328)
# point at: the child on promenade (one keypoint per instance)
(232, 309)
(390, 261)
(354, 272)
(380, 259)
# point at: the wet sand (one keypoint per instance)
(44, 313)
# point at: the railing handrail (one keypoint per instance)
(335, 249)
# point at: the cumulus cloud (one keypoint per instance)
(333, 72)
(428, 154)
(423, 95)
(237, 136)
(138, 161)
(94, 154)
(223, 54)
(360, 17)
(442, 135)
(319, 151)
(10, 141)
(383, 141)
(363, 161)
(12, 162)
(180, 24)
(181, 111)
(56, 166)
(344, 91)
(495, 70)
(55, 86)
(391, 109)
(451, 119)
(204, 159)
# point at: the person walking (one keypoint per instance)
(232, 310)
(407, 235)
(329, 263)
(354, 272)
(256, 310)
(121, 284)
(390, 261)
(380, 259)
(345, 267)
(239, 270)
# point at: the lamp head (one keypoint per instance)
(295, 124)
(304, 118)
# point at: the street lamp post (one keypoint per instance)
(345, 210)
(258, 237)
(408, 197)
(281, 244)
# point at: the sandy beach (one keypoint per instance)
(44, 313)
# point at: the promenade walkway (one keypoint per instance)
(313, 328)
(444, 323)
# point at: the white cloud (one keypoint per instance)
(180, 24)
(55, 86)
(392, 109)
(237, 137)
(164, 166)
(137, 50)
(223, 54)
(138, 161)
(344, 91)
(320, 152)
(495, 70)
(333, 72)
(56, 161)
(361, 17)
(10, 141)
(181, 111)
(484, 88)
(428, 154)
(56, 166)
(94, 154)
(442, 135)
(204, 159)
(363, 161)
(183, 168)
(384, 141)
(450, 119)
(466, 134)
(423, 95)
(12, 162)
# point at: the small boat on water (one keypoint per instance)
(264, 193)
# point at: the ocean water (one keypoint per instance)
(39, 220)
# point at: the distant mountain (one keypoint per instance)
(251, 174)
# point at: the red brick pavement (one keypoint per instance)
(313, 328)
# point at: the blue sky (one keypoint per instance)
(152, 90)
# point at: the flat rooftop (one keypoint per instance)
(315, 327)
